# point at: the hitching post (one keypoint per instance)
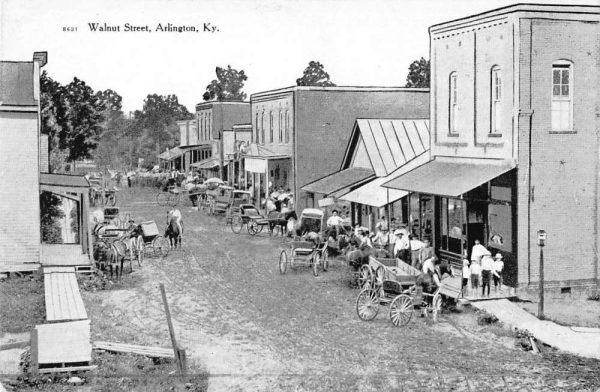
(541, 243)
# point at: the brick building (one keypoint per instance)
(300, 134)
(514, 140)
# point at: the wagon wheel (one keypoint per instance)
(367, 304)
(283, 260)
(173, 199)
(325, 259)
(161, 246)
(436, 307)
(401, 310)
(252, 227)
(139, 244)
(365, 277)
(162, 199)
(110, 199)
(316, 260)
(236, 224)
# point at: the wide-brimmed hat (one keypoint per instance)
(498, 256)
(398, 232)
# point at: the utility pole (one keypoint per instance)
(541, 243)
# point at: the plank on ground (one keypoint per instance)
(67, 369)
(134, 349)
(64, 342)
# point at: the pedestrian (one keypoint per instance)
(425, 253)
(381, 224)
(466, 273)
(475, 270)
(402, 245)
(415, 250)
(478, 252)
(487, 265)
(498, 268)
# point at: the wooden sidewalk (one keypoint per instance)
(63, 299)
(583, 343)
(63, 255)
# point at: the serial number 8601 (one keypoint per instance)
(69, 29)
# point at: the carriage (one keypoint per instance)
(309, 249)
(399, 289)
(149, 236)
(248, 214)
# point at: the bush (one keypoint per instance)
(97, 280)
(485, 318)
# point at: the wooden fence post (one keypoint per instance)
(180, 356)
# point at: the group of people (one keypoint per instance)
(482, 268)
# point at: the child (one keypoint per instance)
(497, 272)
(475, 273)
(466, 273)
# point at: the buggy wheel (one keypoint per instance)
(365, 277)
(436, 307)
(162, 198)
(161, 246)
(139, 244)
(315, 263)
(252, 227)
(367, 304)
(236, 224)
(401, 310)
(325, 259)
(283, 260)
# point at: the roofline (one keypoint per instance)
(221, 102)
(18, 108)
(520, 7)
(15, 62)
(337, 88)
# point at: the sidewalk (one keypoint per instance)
(579, 341)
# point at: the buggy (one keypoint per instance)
(310, 248)
(248, 214)
(150, 236)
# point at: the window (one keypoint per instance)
(287, 126)
(453, 103)
(562, 102)
(271, 127)
(452, 214)
(496, 101)
(256, 128)
(280, 126)
(262, 128)
(202, 125)
(209, 127)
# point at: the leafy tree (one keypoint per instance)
(315, 75)
(418, 74)
(227, 86)
(51, 211)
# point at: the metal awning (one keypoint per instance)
(450, 177)
(373, 194)
(208, 163)
(339, 180)
(173, 153)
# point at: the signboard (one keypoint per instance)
(326, 202)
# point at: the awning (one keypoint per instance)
(64, 180)
(374, 194)
(255, 165)
(450, 177)
(173, 153)
(339, 180)
(208, 163)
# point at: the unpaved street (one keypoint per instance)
(252, 328)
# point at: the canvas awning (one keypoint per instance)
(173, 153)
(63, 183)
(208, 163)
(373, 194)
(450, 177)
(339, 180)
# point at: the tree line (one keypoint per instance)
(85, 124)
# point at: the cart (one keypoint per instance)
(309, 249)
(237, 198)
(150, 237)
(248, 215)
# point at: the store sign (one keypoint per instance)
(326, 202)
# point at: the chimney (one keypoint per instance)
(41, 58)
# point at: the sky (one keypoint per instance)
(360, 43)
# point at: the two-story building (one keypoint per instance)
(514, 140)
(300, 134)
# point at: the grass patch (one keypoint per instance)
(22, 302)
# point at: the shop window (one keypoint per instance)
(453, 103)
(496, 101)
(452, 225)
(500, 227)
(562, 93)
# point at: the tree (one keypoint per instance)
(50, 213)
(418, 74)
(315, 75)
(227, 86)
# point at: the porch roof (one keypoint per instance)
(63, 180)
(208, 163)
(339, 180)
(173, 153)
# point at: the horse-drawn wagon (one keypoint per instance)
(309, 248)
(149, 236)
(247, 214)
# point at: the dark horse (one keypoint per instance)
(280, 219)
(174, 228)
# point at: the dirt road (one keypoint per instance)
(255, 329)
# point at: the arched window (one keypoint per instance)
(496, 100)
(453, 103)
(562, 96)
(271, 127)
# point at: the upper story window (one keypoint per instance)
(255, 137)
(209, 127)
(202, 125)
(262, 128)
(280, 126)
(562, 96)
(453, 103)
(198, 128)
(287, 126)
(271, 127)
(496, 101)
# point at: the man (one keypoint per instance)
(425, 252)
(334, 220)
(478, 252)
(415, 251)
(381, 224)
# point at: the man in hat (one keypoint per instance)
(334, 220)
(498, 267)
(402, 245)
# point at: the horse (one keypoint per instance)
(281, 220)
(107, 254)
(174, 228)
